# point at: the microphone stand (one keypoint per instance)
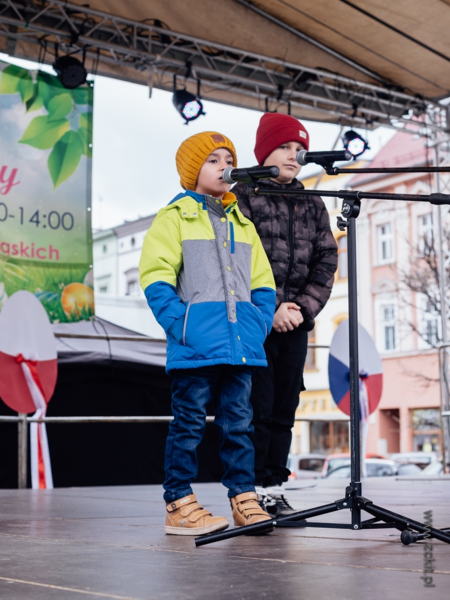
(353, 500)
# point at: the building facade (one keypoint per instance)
(402, 322)
(392, 236)
(118, 295)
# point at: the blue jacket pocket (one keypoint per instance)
(176, 329)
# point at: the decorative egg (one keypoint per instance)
(89, 278)
(77, 298)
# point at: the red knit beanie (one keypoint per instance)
(275, 129)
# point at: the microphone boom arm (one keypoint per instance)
(353, 195)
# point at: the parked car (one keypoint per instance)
(433, 469)
(421, 459)
(375, 467)
(342, 472)
(333, 461)
(408, 469)
(305, 466)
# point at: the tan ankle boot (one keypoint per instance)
(187, 517)
(246, 510)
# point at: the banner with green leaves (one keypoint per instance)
(45, 192)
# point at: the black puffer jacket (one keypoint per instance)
(296, 235)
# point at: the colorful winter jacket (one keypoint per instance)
(296, 235)
(209, 284)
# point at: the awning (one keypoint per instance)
(105, 349)
(323, 416)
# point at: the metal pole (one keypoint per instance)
(443, 364)
(355, 444)
(22, 430)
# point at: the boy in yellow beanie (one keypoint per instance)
(209, 284)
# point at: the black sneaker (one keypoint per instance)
(280, 507)
(276, 503)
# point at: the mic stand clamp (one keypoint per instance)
(329, 167)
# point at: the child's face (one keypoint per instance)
(210, 177)
(284, 158)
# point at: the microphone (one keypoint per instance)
(250, 175)
(319, 158)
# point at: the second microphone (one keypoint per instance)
(250, 175)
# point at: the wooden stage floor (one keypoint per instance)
(109, 542)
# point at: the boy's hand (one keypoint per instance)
(287, 317)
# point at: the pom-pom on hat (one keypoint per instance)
(275, 129)
(195, 150)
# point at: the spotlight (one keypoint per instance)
(70, 71)
(189, 106)
(354, 143)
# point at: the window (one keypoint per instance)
(388, 337)
(132, 288)
(103, 284)
(426, 430)
(311, 464)
(426, 234)
(310, 363)
(105, 248)
(330, 436)
(430, 321)
(385, 248)
(132, 282)
(342, 271)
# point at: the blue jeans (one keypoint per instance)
(192, 389)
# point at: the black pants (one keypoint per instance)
(275, 397)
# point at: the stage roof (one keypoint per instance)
(344, 61)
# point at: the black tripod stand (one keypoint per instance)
(353, 499)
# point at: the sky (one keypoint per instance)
(135, 140)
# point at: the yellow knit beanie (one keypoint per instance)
(195, 150)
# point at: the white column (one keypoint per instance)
(304, 437)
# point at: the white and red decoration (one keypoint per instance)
(28, 372)
(370, 376)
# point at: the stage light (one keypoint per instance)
(354, 143)
(70, 71)
(188, 105)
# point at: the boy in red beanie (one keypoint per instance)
(296, 235)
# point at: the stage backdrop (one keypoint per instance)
(45, 192)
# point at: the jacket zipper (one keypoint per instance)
(291, 251)
(185, 324)
(231, 237)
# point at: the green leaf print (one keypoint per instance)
(83, 96)
(43, 133)
(15, 79)
(35, 102)
(65, 157)
(85, 138)
(59, 107)
(49, 86)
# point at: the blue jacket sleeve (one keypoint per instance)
(168, 308)
(265, 298)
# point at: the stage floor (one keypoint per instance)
(109, 542)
